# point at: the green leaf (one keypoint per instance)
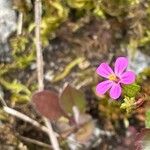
(72, 97)
(15, 86)
(147, 120)
(68, 69)
(128, 104)
(131, 90)
(3, 115)
(20, 93)
(80, 4)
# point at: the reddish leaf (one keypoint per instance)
(47, 104)
(86, 129)
(72, 97)
(83, 131)
(142, 141)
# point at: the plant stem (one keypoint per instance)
(40, 72)
(22, 116)
(39, 58)
(20, 22)
(25, 118)
(33, 141)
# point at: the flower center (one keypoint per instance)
(113, 77)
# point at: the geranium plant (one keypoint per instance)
(114, 79)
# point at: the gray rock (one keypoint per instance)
(139, 62)
(8, 25)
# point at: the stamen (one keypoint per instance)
(113, 77)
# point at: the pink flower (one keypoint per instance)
(114, 78)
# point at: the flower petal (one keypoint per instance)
(128, 77)
(120, 65)
(104, 70)
(115, 91)
(103, 87)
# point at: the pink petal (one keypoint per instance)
(128, 77)
(104, 70)
(120, 65)
(103, 87)
(115, 91)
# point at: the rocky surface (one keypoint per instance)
(7, 27)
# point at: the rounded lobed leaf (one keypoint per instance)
(47, 104)
(86, 129)
(131, 90)
(72, 97)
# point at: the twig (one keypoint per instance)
(76, 114)
(2, 101)
(33, 141)
(38, 45)
(52, 135)
(20, 21)
(40, 71)
(21, 116)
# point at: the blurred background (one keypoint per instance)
(76, 36)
